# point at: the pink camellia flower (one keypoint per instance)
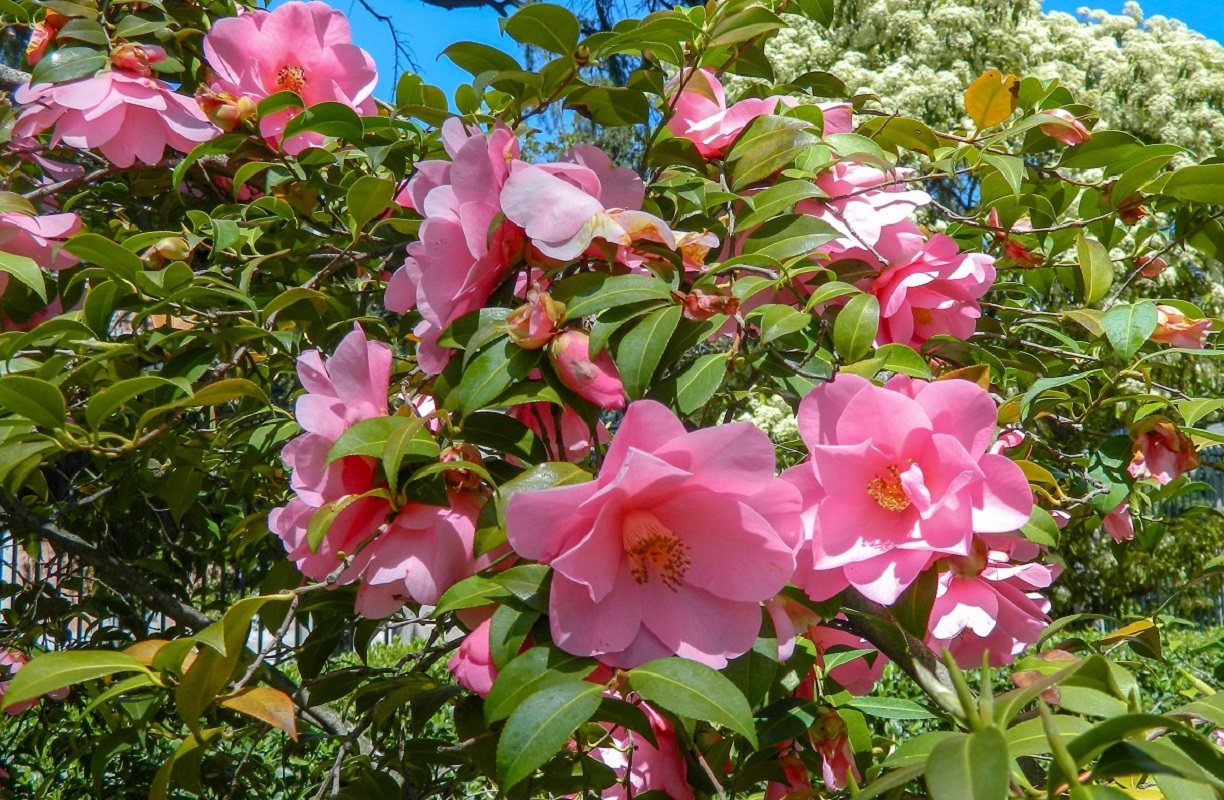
(422, 552)
(828, 737)
(11, 661)
(1014, 250)
(864, 203)
(789, 618)
(671, 549)
(533, 325)
(1119, 524)
(126, 115)
(701, 114)
(564, 207)
(348, 387)
(472, 664)
(1160, 451)
(926, 286)
(640, 766)
(305, 48)
(1151, 266)
(595, 380)
(797, 782)
(566, 435)
(985, 603)
(49, 311)
(896, 474)
(466, 247)
(38, 238)
(1172, 327)
(1072, 133)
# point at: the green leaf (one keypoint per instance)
(610, 106)
(694, 690)
(768, 145)
(856, 327)
(1011, 168)
(184, 764)
(537, 669)
(24, 270)
(492, 372)
(780, 320)
(67, 64)
(913, 608)
(328, 119)
(1195, 409)
(48, 672)
(971, 767)
(741, 26)
(221, 392)
(1202, 183)
(890, 708)
(639, 350)
(1095, 267)
(366, 438)
(1041, 528)
(829, 291)
(1028, 738)
(279, 101)
(788, 236)
(469, 593)
(477, 58)
(1039, 387)
(99, 250)
(698, 382)
(893, 133)
(106, 402)
(891, 781)
(368, 197)
(593, 292)
(35, 399)
(544, 25)
(541, 725)
(917, 750)
(1129, 326)
(775, 200)
(503, 434)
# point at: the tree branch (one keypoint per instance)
(17, 516)
(872, 621)
(11, 78)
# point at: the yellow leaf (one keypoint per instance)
(978, 373)
(991, 98)
(266, 704)
(144, 651)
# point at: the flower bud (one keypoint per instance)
(461, 479)
(1150, 266)
(136, 58)
(594, 380)
(1160, 451)
(226, 111)
(1072, 134)
(582, 56)
(171, 248)
(533, 325)
(701, 305)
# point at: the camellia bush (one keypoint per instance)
(650, 471)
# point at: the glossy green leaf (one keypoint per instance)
(541, 725)
(368, 197)
(638, 354)
(1095, 268)
(545, 25)
(65, 64)
(36, 400)
(974, 766)
(537, 669)
(769, 144)
(492, 372)
(26, 271)
(48, 672)
(788, 236)
(856, 327)
(694, 690)
(1128, 326)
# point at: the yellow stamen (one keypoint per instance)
(888, 492)
(651, 545)
(291, 79)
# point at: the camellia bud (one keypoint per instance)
(171, 248)
(582, 56)
(1173, 327)
(1071, 134)
(1151, 266)
(42, 35)
(461, 479)
(136, 58)
(594, 380)
(701, 305)
(533, 325)
(228, 112)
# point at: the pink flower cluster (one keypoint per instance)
(487, 212)
(38, 238)
(925, 285)
(409, 554)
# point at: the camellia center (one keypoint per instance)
(652, 547)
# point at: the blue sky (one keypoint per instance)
(430, 29)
